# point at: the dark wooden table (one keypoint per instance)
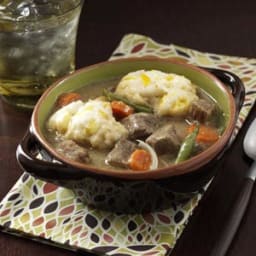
(226, 28)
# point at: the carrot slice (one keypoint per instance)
(140, 160)
(66, 98)
(120, 109)
(206, 134)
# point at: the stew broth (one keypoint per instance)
(98, 156)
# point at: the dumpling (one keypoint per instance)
(59, 121)
(88, 123)
(141, 86)
(94, 124)
(168, 93)
(175, 103)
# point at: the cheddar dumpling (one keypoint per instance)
(141, 86)
(59, 121)
(94, 124)
(168, 93)
(175, 103)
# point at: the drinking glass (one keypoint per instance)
(37, 46)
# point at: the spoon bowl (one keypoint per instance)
(250, 141)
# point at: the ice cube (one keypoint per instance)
(34, 9)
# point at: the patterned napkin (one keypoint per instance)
(44, 212)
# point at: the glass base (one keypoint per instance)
(22, 102)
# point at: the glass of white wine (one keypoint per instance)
(37, 46)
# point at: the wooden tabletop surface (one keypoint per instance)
(225, 28)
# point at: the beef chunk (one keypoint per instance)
(73, 151)
(120, 154)
(165, 139)
(201, 109)
(140, 125)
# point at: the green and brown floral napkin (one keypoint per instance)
(44, 212)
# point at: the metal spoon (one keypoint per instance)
(242, 198)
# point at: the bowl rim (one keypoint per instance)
(185, 167)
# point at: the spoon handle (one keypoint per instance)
(234, 219)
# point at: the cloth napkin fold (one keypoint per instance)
(50, 214)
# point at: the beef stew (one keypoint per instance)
(113, 132)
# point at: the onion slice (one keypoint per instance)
(151, 151)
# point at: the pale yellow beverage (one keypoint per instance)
(37, 46)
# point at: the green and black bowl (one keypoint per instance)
(129, 191)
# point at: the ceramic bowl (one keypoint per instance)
(127, 190)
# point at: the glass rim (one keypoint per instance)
(42, 18)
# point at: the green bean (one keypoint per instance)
(137, 107)
(187, 146)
